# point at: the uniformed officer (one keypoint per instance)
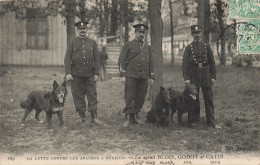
(103, 61)
(136, 64)
(82, 67)
(198, 66)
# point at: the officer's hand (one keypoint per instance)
(187, 82)
(95, 78)
(150, 81)
(213, 81)
(122, 73)
(69, 77)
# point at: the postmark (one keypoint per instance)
(243, 35)
(248, 37)
(244, 9)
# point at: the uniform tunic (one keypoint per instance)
(198, 66)
(82, 61)
(136, 59)
(82, 58)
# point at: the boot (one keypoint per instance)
(128, 120)
(82, 116)
(137, 118)
(93, 116)
(134, 119)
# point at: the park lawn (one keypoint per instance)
(236, 100)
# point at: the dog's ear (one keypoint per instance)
(55, 84)
(162, 88)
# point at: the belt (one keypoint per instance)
(199, 65)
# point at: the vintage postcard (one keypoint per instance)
(32, 52)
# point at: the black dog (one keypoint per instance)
(183, 102)
(160, 111)
(50, 102)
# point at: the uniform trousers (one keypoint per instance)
(82, 87)
(103, 71)
(209, 107)
(135, 92)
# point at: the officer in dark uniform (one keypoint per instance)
(103, 61)
(198, 66)
(82, 67)
(136, 64)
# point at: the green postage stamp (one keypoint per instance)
(244, 9)
(248, 36)
(247, 14)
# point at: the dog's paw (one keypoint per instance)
(41, 122)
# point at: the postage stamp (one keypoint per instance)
(248, 36)
(244, 9)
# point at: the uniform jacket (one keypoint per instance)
(136, 59)
(103, 57)
(198, 64)
(82, 57)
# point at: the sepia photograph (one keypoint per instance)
(130, 82)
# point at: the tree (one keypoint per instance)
(220, 15)
(204, 18)
(207, 21)
(172, 30)
(124, 18)
(70, 7)
(114, 18)
(156, 42)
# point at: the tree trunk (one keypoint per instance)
(82, 12)
(156, 43)
(70, 6)
(114, 18)
(172, 32)
(207, 21)
(101, 20)
(221, 25)
(201, 15)
(126, 20)
(106, 15)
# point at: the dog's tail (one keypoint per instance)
(27, 104)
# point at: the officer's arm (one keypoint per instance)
(123, 57)
(68, 59)
(151, 64)
(211, 63)
(185, 64)
(96, 59)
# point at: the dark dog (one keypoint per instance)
(50, 102)
(183, 102)
(160, 111)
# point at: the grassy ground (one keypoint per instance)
(237, 106)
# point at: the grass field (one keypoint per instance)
(236, 100)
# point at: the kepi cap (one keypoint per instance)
(140, 27)
(81, 25)
(195, 28)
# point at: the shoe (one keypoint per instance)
(137, 119)
(128, 120)
(214, 126)
(82, 117)
(195, 120)
(218, 127)
(93, 117)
